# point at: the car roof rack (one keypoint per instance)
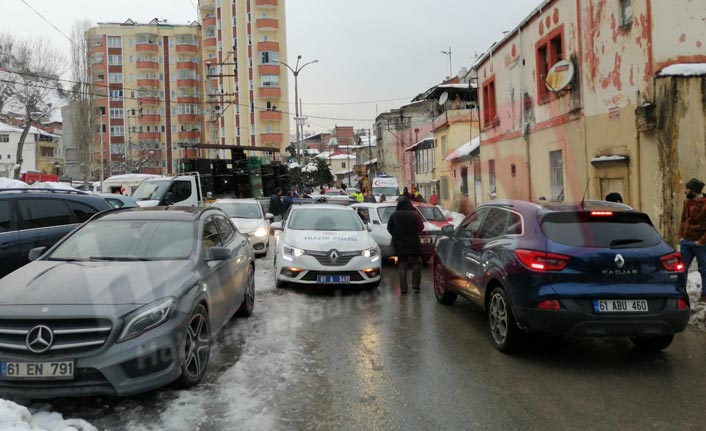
(56, 191)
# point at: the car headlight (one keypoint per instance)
(260, 232)
(148, 317)
(372, 252)
(290, 253)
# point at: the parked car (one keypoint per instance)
(378, 215)
(590, 270)
(119, 201)
(31, 218)
(325, 244)
(432, 214)
(129, 302)
(250, 219)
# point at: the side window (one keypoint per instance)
(226, 229)
(81, 211)
(495, 223)
(181, 190)
(364, 214)
(115, 203)
(211, 238)
(38, 213)
(514, 225)
(5, 216)
(470, 228)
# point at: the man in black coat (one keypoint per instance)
(276, 207)
(405, 225)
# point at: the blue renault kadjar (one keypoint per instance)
(593, 269)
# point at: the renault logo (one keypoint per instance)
(39, 339)
(333, 255)
(619, 261)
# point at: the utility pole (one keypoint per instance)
(102, 161)
(449, 53)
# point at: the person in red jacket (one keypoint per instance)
(434, 198)
(693, 229)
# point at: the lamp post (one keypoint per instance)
(449, 53)
(295, 71)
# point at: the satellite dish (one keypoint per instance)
(560, 76)
(444, 98)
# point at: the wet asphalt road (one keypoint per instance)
(318, 360)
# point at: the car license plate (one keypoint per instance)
(620, 306)
(334, 279)
(10, 370)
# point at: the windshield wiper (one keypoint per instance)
(67, 259)
(120, 259)
(625, 241)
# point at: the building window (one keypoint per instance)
(444, 146)
(114, 42)
(625, 13)
(4, 138)
(550, 51)
(492, 186)
(116, 113)
(117, 131)
(556, 172)
(490, 114)
(115, 78)
(116, 95)
(269, 57)
(270, 80)
(115, 59)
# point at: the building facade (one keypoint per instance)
(41, 151)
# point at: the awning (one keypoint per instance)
(464, 150)
(429, 138)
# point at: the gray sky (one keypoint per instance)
(368, 50)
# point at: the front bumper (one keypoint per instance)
(259, 244)
(147, 362)
(361, 270)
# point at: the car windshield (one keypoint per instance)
(387, 191)
(632, 230)
(151, 190)
(129, 240)
(329, 220)
(432, 213)
(240, 210)
(384, 213)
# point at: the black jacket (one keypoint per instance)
(276, 206)
(405, 227)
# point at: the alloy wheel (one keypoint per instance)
(439, 280)
(498, 318)
(198, 343)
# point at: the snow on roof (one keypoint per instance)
(344, 172)
(464, 150)
(684, 69)
(8, 128)
(461, 86)
(32, 130)
(324, 155)
(370, 162)
(427, 139)
(611, 158)
(342, 157)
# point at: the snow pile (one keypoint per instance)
(456, 218)
(17, 417)
(7, 183)
(698, 309)
(53, 186)
(684, 69)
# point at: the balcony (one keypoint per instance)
(146, 47)
(210, 42)
(189, 136)
(268, 46)
(271, 116)
(209, 21)
(151, 83)
(207, 4)
(187, 83)
(187, 99)
(148, 100)
(150, 118)
(189, 118)
(266, 4)
(187, 65)
(148, 136)
(269, 69)
(187, 48)
(147, 65)
(267, 24)
(98, 49)
(270, 92)
(271, 139)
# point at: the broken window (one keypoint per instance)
(625, 13)
(550, 51)
(556, 178)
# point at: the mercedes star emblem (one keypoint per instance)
(619, 261)
(333, 255)
(39, 339)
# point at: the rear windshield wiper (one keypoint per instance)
(625, 241)
(120, 259)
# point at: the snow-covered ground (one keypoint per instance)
(38, 418)
(698, 309)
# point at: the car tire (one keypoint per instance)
(440, 291)
(652, 344)
(278, 284)
(248, 305)
(197, 348)
(504, 333)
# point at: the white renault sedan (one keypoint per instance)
(325, 244)
(248, 217)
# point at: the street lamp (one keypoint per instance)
(449, 53)
(296, 70)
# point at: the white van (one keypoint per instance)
(182, 190)
(385, 186)
(125, 184)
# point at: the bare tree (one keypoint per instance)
(33, 67)
(82, 97)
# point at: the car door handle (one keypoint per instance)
(5, 245)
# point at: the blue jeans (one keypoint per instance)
(689, 250)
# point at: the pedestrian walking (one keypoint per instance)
(405, 225)
(287, 202)
(406, 193)
(369, 198)
(434, 198)
(693, 229)
(417, 196)
(276, 207)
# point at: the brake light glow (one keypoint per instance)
(549, 304)
(601, 213)
(682, 304)
(542, 261)
(673, 262)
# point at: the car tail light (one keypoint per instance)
(673, 262)
(549, 304)
(601, 213)
(682, 304)
(541, 260)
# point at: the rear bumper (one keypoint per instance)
(573, 319)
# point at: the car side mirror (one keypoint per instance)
(36, 253)
(369, 227)
(277, 226)
(447, 230)
(270, 217)
(218, 254)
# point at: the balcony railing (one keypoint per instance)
(266, 3)
(270, 116)
(267, 24)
